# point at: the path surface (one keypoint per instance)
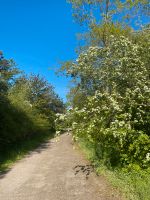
(55, 171)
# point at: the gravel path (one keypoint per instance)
(55, 171)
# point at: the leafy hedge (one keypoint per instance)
(28, 105)
(115, 116)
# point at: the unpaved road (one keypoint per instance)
(55, 171)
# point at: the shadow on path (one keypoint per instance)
(3, 173)
(85, 169)
(41, 147)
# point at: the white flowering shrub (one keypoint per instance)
(63, 122)
(116, 114)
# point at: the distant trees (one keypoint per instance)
(7, 73)
(41, 94)
(28, 104)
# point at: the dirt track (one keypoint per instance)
(54, 171)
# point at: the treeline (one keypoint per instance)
(28, 105)
(110, 98)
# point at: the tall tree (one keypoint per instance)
(95, 11)
(41, 94)
(8, 71)
(105, 17)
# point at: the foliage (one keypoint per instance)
(8, 71)
(28, 105)
(132, 181)
(110, 93)
(39, 95)
(93, 11)
(103, 18)
(116, 113)
(42, 95)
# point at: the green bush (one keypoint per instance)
(116, 118)
(132, 181)
(28, 105)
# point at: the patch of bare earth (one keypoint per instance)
(55, 171)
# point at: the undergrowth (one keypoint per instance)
(133, 182)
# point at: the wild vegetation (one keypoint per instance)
(110, 96)
(108, 103)
(28, 105)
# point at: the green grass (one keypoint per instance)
(133, 183)
(18, 150)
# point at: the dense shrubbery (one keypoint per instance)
(115, 114)
(28, 105)
(110, 92)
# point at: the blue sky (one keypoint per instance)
(38, 35)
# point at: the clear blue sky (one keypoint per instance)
(38, 34)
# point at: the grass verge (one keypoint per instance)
(133, 183)
(18, 150)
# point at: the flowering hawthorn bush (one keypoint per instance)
(116, 117)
